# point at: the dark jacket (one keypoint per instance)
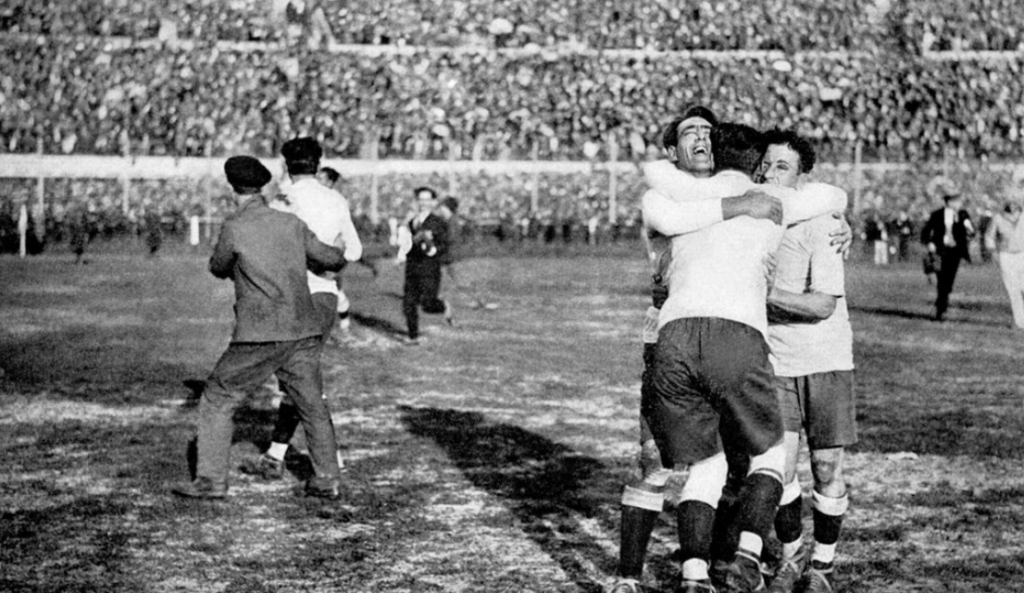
(431, 240)
(266, 253)
(935, 230)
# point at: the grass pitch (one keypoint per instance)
(489, 459)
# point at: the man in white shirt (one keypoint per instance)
(330, 178)
(1005, 236)
(326, 213)
(812, 353)
(712, 378)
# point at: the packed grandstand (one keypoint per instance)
(927, 84)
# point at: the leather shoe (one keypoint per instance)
(328, 491)
(201, 488)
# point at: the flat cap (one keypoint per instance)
(246, 172)
(302, 149)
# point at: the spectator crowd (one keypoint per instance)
(714, 25)
(106, 77)
(82, 96)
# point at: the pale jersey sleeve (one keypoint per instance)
(827, 270)
(674, 217)
(676, 186)
(349, 236)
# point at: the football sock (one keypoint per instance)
(787, 518)
(287, 421)
(828, 520)
(726, 534)
(637, 525)
(695, 569)
(696, 521)
(277, 450)
(759, 500)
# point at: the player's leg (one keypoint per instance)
(641, 505)
(831, 426)
(343, 310)
(737, 358)
(788, 525)
(685, 426)
(641, 502)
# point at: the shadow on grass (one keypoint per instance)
(378, 324)
(547, 486)
(891, 312)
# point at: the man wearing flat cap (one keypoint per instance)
(947, 235)
(277, 331)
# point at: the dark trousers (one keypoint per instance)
(422, 284)
(325, 304)
(944, 280)
(244, 367)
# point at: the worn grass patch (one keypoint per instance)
(489, 459)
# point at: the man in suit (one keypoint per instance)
(277, 331)
(429, 250)
(947, 235)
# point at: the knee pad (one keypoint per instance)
(642, 499)
(790, 492)
(706, 480)
(772, 462)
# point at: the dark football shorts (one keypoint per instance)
(711, 380)
(822, 404)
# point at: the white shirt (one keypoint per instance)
(326, 213)
(718, 270)
(808, 262)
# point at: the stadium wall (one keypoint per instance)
(615, 178)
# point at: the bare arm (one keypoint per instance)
(791, 307)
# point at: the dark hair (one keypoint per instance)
(433, 194)
(302, 156)
(800, 145)
(737, 147)
(670, 136)
(302, 167)
(451, 204)
(331, 173)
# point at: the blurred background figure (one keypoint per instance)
(904, 231)
(1005, 237)
(876, 235)
(947, 235)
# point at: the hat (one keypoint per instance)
(943, 187)
(302, 149)
(450, 203)
(246, 172)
